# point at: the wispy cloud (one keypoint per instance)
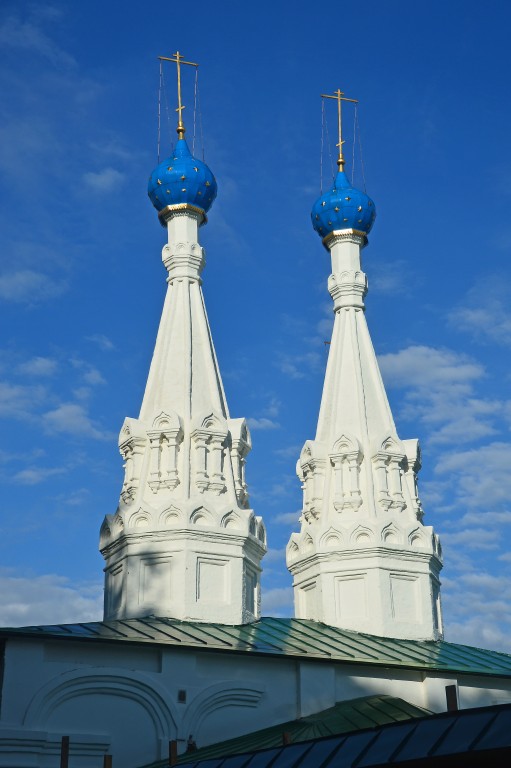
(262, 423)
(277, 601)
(439, 391)
(36, 475)
(30, 287)
(29, 36)
(478, 478)
(485, 312)
(288, 518)
(38, 366)
(104, 181)
(73, 419)
(19, 401)
(47, 599)
(102, 341)
(299, 366)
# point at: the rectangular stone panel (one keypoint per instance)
(404, 597)
(212, 580)
(114, 590)
(155, 583)
(351, 596)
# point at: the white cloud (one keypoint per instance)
(392, 278)
(36, 475)
(104, 181)
(476, 609)
(473, 538)
(277, 601)
(275, 556)
(91, 375)
(439, 392)
(262, 423)
(28, 286)
(425, 367)
(38, 366)
(299, 366)
(19, 401)
(27, 36)
(289, 452)
(288, 518)
(479, 478)
(47, 599)
(485, 313)
(72, 419)
(102, 341)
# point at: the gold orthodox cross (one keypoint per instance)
(340, 97)
(178, 60)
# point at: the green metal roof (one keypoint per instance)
(470, 738)
(345, 717)
(283, 637)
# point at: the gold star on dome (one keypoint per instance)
(159, 182)
(208, 184)
(169, 168)
(347, 198)
(196, 170)
(183, 178)
(336, 209)
(359, 208)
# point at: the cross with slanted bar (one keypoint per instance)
(339, 96)
(178, 59)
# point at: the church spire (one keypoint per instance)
(184, 542)
(363, 559)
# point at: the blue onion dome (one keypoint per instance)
(182, 179)
(343, 207)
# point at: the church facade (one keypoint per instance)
(182, 649)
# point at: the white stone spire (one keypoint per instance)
(183, 542)
(363, 559)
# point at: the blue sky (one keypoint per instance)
(82, 285)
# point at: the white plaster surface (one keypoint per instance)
(363, 558)
(184, 542)
(120, 699)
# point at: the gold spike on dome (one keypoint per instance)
(340, 97)
(178, 60)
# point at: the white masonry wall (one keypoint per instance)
(123, 699)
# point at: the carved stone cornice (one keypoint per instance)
(348, 288)
(183, 260)
(179, 210)
(344, 235)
